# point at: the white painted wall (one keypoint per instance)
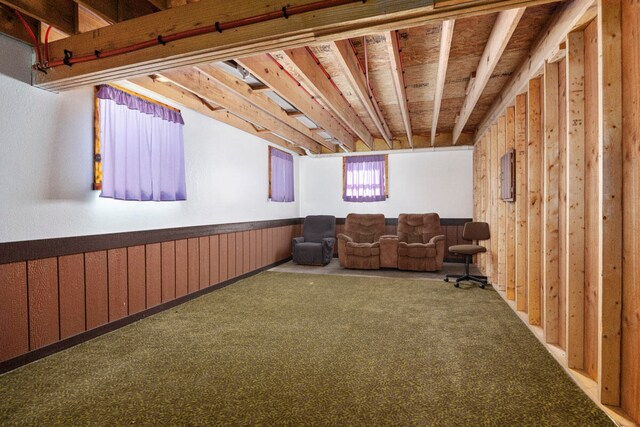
(428, 181)
(46, 169)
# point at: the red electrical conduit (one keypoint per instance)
(285, 12)
(36, 43)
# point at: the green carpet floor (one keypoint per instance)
(294, 349)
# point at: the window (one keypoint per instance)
(140, 146)
(365, 178)
(280, 176)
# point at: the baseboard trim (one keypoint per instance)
(32, 356)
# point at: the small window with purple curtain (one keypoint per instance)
(141, 147)
(365, 178)
(280, 176)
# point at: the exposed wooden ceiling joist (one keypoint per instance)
(504, 27)
(446, 36)
(194, 102)
(347, 60)
(259, 100)
(106, 9)
(204, 86)
(58, 13)
(564, 20)
(307, 67)
(267, 71)
(400, 88)
(352, 19)
(11, 25)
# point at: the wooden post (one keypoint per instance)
(534, 166)
(551, 200)
(495, 226)
(630, 369)
(510, 266)
(502, 237)
(522, 204)
(610, 206)
(575, 201)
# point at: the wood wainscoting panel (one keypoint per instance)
(136, 278)
(97, 300)
(154, 275)
(71, 288)
(193, 261)
(14, 322)
(168, 267)
(117, 277)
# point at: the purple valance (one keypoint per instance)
(364, 179)
(135, 103)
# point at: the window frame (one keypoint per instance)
(386, 176)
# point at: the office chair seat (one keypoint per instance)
(467, 249)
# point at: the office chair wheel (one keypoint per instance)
(482, 286)
(446, 279)
(457, 285)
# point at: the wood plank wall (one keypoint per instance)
(577, 169)
(43, 301)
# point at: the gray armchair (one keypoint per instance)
(315, 247)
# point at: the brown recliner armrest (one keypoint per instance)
(342, 248)
(389, 251)
(439, 242)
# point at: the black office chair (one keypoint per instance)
(474, 232)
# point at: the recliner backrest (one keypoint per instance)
(418, 228)
(318, 227)
(365, 228)
(476, 231)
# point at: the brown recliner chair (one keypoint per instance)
(359, 245)
(421, 244)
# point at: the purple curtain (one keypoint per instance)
(142, 148)
(281, 176)
(364, 179)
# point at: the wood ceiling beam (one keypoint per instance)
(131, 9)
(267, 70)
(504, 27)
(260, 101)
(348, 62)
(446, 36)
(204, 86)
(61, 14)
(337, 22)
(11, 25)
(564, 20)
(306, 66)
(194, 102)
(399, 86)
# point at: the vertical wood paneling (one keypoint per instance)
(71, 284)
(239, 253)
(534, 186)
(510, 265)
(136, 278)
(253, 253)
(610, 207)
(592, 192)
(168, 268)
(265, 246)
(231, 255)
(224, 257)
(43, 302)
(502, 209)
(270, 233)
(550, 205)
(630, 376)
(574, 231)
(182, 268)
(193, 265)
(205, 280)
(97, 301)
(259, 263)
(562, 202)
(154, 275)
(214, 259)
(118, 292)
(246, 251)
(14, 323)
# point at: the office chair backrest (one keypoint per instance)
(474, 231)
